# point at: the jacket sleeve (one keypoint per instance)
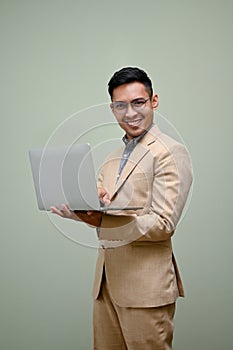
(172, 178)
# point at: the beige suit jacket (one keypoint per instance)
(135, 246)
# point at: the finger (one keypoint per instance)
(106, 199)
(55, 210)
(68, 213)
(102, 192)
(66, 210)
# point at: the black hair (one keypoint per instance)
(129, 75)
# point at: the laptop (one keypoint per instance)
(66, 175)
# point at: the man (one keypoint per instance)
(137, 280)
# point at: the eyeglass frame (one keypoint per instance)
(132, 103)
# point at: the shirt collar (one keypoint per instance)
(136, 139)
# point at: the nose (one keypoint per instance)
(130, 112)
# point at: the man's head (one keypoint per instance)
(129, 75)
(133, 101)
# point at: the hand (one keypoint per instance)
(104, 196)
(92, 218)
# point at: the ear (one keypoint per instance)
(155, 101)
(111, 106)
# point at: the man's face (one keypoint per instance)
(134, 118)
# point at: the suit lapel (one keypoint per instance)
(139, 152)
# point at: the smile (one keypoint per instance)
(133, 122)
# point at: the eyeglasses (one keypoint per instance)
(121, 107)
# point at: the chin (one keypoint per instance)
(135, 133)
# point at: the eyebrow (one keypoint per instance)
(135, 99)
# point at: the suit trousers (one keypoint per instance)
(127, 328)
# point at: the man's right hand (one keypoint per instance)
(92, 218)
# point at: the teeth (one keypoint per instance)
(134, 122)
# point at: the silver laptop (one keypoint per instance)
(65, 175)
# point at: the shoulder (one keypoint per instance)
(164, 143)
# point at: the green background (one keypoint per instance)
(56, 59)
